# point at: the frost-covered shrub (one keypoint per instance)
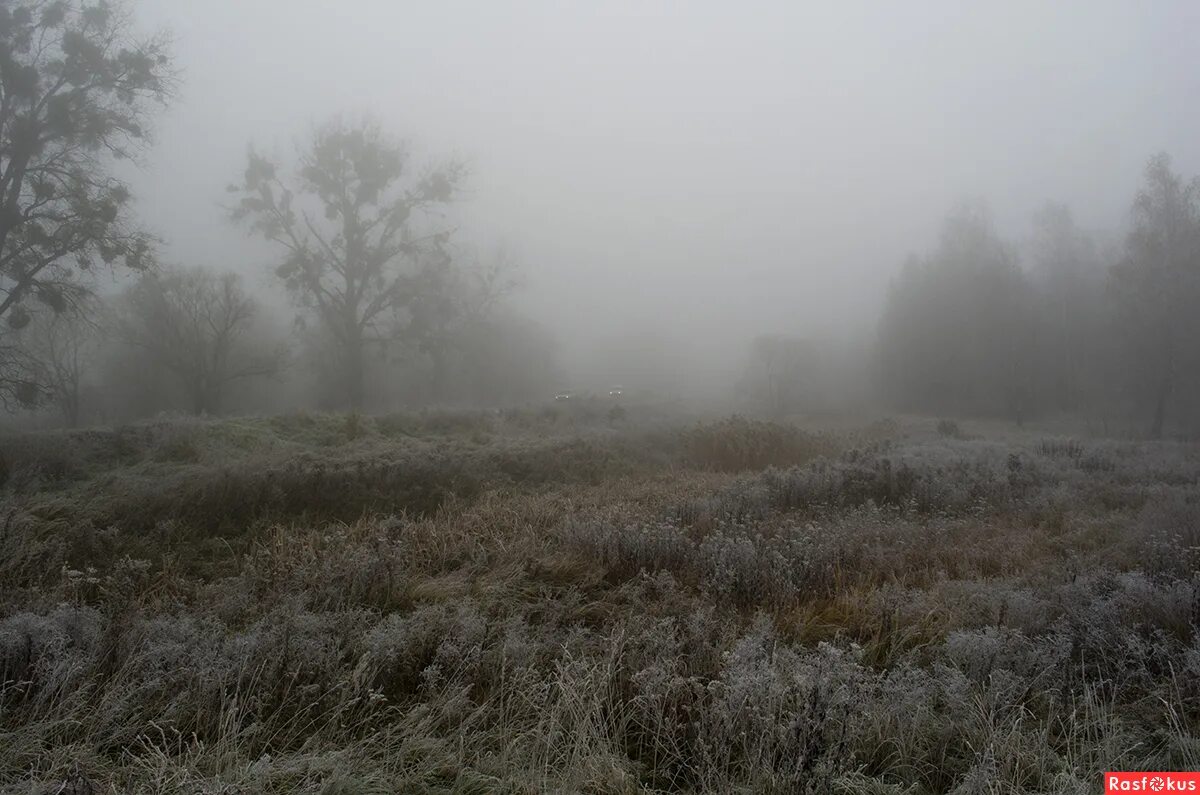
(1060, 448)
(1040, 661)
(770, 717)
(429, 646)
(733, 563)
(625, 551)
(951, 487)
(178, 445)
(1169, 529)
(950, 429)
(47, 657)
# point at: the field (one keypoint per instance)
(478, 603)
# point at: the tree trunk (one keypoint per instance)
(438, 378)
(355, 371)
(70, 407)
(1165, 384)
(1160, 408)
(204, 399)
(199, 403)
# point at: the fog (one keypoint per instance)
(783, 207)
(697, 173)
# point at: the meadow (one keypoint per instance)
(534, 601)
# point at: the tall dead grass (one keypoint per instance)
(927, 616)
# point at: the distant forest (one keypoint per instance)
(392, 308)
(969, 329)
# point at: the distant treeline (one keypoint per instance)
(388, 310)
(1114, 335)
(193, 340)
(390, 307)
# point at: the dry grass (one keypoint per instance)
(738, 444)
(602, 614)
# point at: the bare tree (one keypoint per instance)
(1158, 283)
(62, 348)
(345, 223)
(782, 372)
(75, 93)
(197, 325)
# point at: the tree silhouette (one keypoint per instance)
(75, 92)
(346, 223)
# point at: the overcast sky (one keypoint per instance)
(684, 167)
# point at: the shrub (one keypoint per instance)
(736, 444)
(178, 448)
(950, 429)
(355, 428)
(1060, 448)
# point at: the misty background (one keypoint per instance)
(686, 176)
(699, 201)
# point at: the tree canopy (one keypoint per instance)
(347, 223)
(76, 92)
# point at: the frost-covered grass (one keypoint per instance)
(489, 604)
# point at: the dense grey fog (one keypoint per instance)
(270, 205)
(686, 176)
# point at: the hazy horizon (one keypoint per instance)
(664, 171)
